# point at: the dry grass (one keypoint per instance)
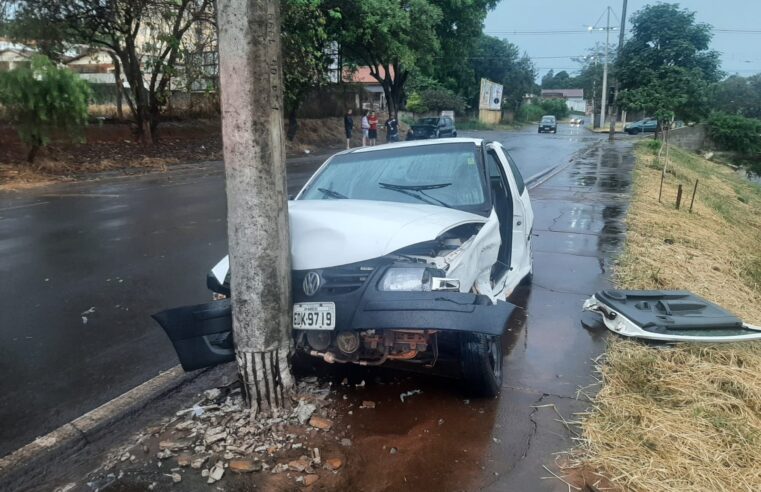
(685, 417)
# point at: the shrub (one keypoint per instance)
(734, 132)
(43, 101)
(435, 100)
(556, 107)
(530, 113)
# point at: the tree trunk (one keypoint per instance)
(293, 124)
(118, 84)
(257, 228)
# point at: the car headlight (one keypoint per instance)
(406, 279)
(417, 279)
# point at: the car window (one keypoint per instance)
(516, 173)
(548, 119)
(428, 121)
(446, 174)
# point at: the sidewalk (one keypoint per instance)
(431, 440)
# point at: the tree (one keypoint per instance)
(560, 80)
(500, 61)
(144, 34)
(305, 52)
(390, 38)
(257, 225)
(666, 67)
(435, 100)
(459, 32)
(738, 95)
(44, 101)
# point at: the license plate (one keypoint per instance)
(314, 316)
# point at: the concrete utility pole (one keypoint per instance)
(250, 71)
(604, 101)
(614, 110)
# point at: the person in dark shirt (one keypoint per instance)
(348, 127)
(392, 129)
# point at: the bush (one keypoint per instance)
(735, 133)
(43, 101)
(556, 107)
(435, 100)
(530, 113)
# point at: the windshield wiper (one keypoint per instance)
(331, 193)
(410, 189)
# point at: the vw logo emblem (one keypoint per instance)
(311, 283)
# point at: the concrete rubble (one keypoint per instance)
(217, 435)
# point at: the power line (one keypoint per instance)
(588, 31)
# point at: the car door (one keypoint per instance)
(450, 126)
(650, 125)
(523, 214)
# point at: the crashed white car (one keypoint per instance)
(403, 252)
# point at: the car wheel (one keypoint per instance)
(539, 131)
(636, 131)
(555, 131)
(481, 361)
(454, 134)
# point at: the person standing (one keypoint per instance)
(373, 130)
(392, 129)
(348, 127)
(365, 128)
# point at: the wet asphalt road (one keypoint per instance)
(85, 264)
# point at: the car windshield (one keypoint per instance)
(548, 119)
(428, 121)
(446, 175)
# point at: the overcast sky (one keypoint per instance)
(520, 21)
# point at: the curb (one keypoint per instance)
(75, 435)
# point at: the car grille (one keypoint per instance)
(336, 280)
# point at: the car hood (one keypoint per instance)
(327, 233)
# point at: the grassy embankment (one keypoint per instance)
(684, 417)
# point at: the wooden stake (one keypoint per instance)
(694, 190)
(678, 196)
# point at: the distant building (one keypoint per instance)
(12, 57)
(375, 97)
(574, 98)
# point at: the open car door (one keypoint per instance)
(674, 316)
(201, 334)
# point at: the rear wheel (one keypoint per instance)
(481, 361)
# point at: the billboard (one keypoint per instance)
(491, 95)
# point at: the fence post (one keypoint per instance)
(678, 196)
(694, 190)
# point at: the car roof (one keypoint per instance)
(414, 143)
(548, 116)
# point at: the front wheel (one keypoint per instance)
(454, 134)
(481, 361)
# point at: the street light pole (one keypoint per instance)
(604, 106)
(614, 112)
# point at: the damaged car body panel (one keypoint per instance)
(400, 252)
(669, 316)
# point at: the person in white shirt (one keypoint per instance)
(365, 129)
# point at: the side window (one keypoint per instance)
(496, 177)
(516, 174)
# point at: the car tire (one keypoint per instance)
(635, 131)
(481, 361)
(454, 134)
(539, 131)
(554, 131)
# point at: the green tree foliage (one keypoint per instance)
(43, 101)
(305, 52)
(144, 35)
(500, 61)
(734, 132)
(435, 100)
(560, 80)
(390, 38)
(459, 33)
(556, 107)
(666, 67)
(738, 95)
(530, 113)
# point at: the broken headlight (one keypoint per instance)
(416, 279)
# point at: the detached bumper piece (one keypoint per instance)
(672, 316)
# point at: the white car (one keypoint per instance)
(402, 252)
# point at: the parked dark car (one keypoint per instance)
(436, 127)
(548, 124)
(648, 125)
